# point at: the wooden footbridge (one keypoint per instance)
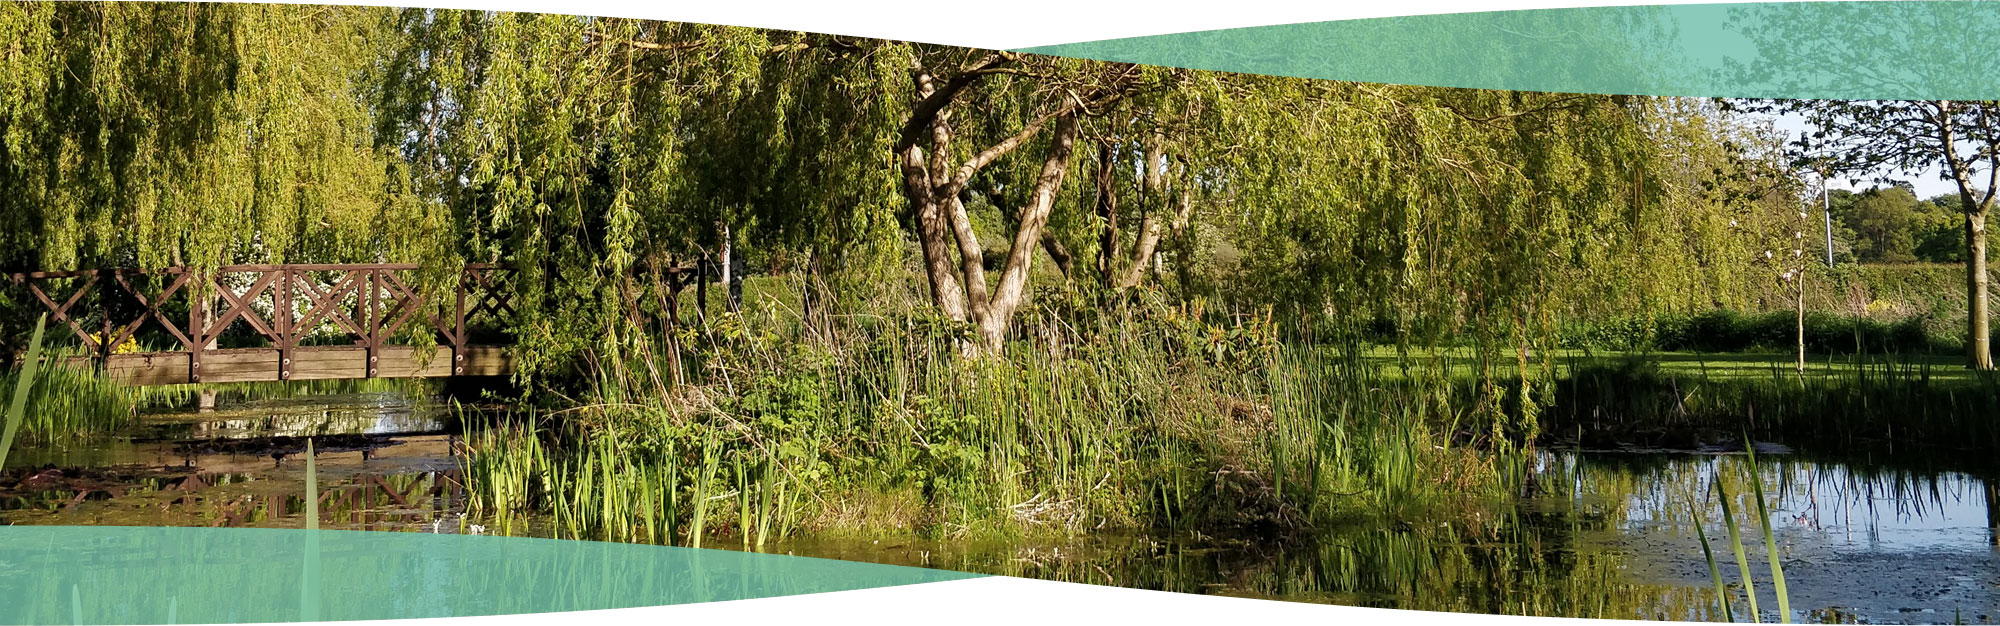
(274, 322)
(245, 323)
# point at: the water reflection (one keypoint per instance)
(343, 414)
(1879, 543)
(1607, 535)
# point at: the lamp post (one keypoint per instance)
(1826, 209)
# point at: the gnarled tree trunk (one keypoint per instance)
(934, 180)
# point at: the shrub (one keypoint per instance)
(1725, 330)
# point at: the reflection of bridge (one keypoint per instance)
(276, 322)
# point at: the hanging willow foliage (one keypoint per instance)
(581, 150)
(198, 135)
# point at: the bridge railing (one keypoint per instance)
(302, 311)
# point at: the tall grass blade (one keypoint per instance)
(1714, 573)
(709, 460)
(18, 407)
(1770, 539)
(1736, 544)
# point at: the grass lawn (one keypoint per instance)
(1738, 365)
(782, 295)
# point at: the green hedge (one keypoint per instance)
(1724, 330)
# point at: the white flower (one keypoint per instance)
(1802, 215)
(1798, 235)
(1767, 254)
(1798, 253)
(1732, 223)
(1788, 276)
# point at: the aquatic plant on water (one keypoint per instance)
(1737, 547)
(887, 428)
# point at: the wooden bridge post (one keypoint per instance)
(197, 329)
(372, 322)
(458, 334)
(281, 318)
(104, 337)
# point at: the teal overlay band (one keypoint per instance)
(153, 575)
(1885, 50)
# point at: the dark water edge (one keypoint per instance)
(1867, 535)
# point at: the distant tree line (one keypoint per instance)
(1889, 224)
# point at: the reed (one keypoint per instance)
(1714, 573)
(24, 382)
(1139, 426)
(1770, 540)
(1736, 546)
(709, 461)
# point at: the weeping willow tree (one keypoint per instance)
(587, 152)
(197, 135)
(1482, 218)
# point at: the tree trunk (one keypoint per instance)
(1992, 493)
(1158, 199)
(1978, 347)
(996, 317)
(1065, 262)
(1978, 337)
(817, 301)
(1799, 301)
(945, 292)
(668, 292)
(1107, 211)
(933, 181)
(732, 288)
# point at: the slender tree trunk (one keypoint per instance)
(817, 301)
(1799, 302)
(945, 292)
(669, 296)
(1978, 337)
(732, 292)
(1107, 211)
(1978, 347)
(701, 291)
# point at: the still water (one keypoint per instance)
(1602, 534)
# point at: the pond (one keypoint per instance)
(1601, 534)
